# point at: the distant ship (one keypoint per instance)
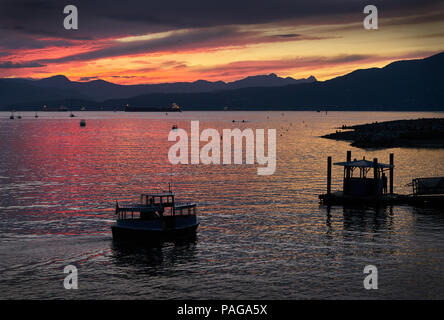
(174, 108)
(61, 108)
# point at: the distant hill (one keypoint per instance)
(19, 92)
(23, 91)
(412, 83)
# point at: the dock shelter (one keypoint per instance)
(358, 181)
(365, 183)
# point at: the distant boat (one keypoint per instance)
(11, 116)
(83, 109)
(36, 116)
(156, 218)
(61, 108)
(83, 123)
(71, 115)
(174, 108)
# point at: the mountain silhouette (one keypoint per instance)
(413, 84)
(100, 90)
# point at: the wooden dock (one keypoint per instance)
(375, 191)
(338, 198)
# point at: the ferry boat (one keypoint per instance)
(61, 108)
(156, 218)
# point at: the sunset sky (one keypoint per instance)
(130, 42)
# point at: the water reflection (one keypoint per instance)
(362, 219)
(369, 219)
(152, 258)
(59, 183)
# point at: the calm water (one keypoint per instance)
(261, 237)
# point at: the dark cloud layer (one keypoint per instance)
(208, 38)
(104, 18)
(11, 65)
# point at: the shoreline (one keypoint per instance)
(320, 109)
(417, 133)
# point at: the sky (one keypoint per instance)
(145, 41)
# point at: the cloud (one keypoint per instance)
(179, 41)
(88, 78)
(123, 77)
(98, 20)
(33, 29)
(11, 65)
(288, 35)
(281, 66)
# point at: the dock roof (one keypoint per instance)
(362, 164)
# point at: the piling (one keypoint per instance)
(349, 158)
(375, 175)
(392, 163)
(328, 175)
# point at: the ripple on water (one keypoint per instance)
(261, 237)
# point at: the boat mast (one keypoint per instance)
(171, 177)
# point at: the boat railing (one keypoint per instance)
(135, 211)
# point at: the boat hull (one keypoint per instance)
(153, 235)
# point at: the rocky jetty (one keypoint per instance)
(418, 133)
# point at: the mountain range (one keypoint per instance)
(410, 84)
(415, 84)
(25, 91)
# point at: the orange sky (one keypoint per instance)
(229, 52)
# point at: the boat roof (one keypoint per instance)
(362, 164)
(161, 194)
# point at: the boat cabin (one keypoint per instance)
(159, 199)
(155, 206)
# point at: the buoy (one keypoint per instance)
(82, 123)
